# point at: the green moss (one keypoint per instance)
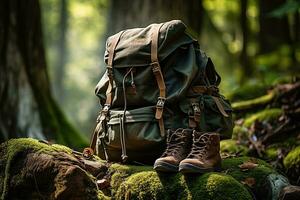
(240, 132)
(247, 92)
(292, 160)
(15, 146)
(259, 173)
(253, 103)
(264, 115)
(150, 185)
(102, 196)
(121, 172)
(231, 147)
(271, 153)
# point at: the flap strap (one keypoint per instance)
(199, 89)
(159, 78)
(109, 91)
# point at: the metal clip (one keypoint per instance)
(197, 111)
(155, 67)
(160, 102)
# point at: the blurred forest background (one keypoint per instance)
(59, 45)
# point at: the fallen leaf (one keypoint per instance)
(249, 181)
(248, 165)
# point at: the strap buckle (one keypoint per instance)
(160, 102)
(109, 71)
(104, 112)
(197, 111)
(155, 67)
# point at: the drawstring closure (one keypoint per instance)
(123, 117)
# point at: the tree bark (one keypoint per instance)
(124, 14)
(246, 67)
(62, 51)
(27, 106)
(273, 31)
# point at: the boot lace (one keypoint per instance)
(175, 143)
(199, 148)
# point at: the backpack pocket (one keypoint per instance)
(209, 113)
(137, 135)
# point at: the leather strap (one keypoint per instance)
(111, 53)
(199, 89)
(220, 106)
(109, 91)
(159, 78)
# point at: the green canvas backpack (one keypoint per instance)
(157, 78)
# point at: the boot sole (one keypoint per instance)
(165, 167)
(189, 168)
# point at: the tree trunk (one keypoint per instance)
(273, 31)
(124, 14)
(27, 106)
(62, 52)
(246, 67)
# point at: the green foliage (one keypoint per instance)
(290, 6)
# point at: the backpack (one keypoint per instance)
(157, 78)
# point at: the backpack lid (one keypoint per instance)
(134, 46)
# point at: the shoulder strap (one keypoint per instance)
(109, 91)
(159, 78)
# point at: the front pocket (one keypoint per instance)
(141, 133)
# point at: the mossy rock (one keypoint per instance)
(247, 92)
(292, 163)
(24, 164)
(231, 147)
(31, 169)
(210, 186)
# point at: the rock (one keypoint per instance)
(33, 170)
(232, 147)
(290, 192)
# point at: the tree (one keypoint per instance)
(125, 14)
(62, 51)
(273, 31)
(26, 103)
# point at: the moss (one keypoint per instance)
(150, 185)
(102, 196)
(253, 103)
(247, 92)
(231, 147)
(121, 172)
(271, 152)
(292, 160)
(259, 173)
(240, 132)
(16, 146)
(264, 115)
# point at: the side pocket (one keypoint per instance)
(216, 115)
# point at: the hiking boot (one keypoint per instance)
(204, 156)
(179, 144)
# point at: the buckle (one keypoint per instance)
(104, 111)
(109, 71)
(155, 67)
(196, 109)
(160, 102)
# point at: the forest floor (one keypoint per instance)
(261, 161)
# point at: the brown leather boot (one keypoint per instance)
(178, 146)
(204, 156)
